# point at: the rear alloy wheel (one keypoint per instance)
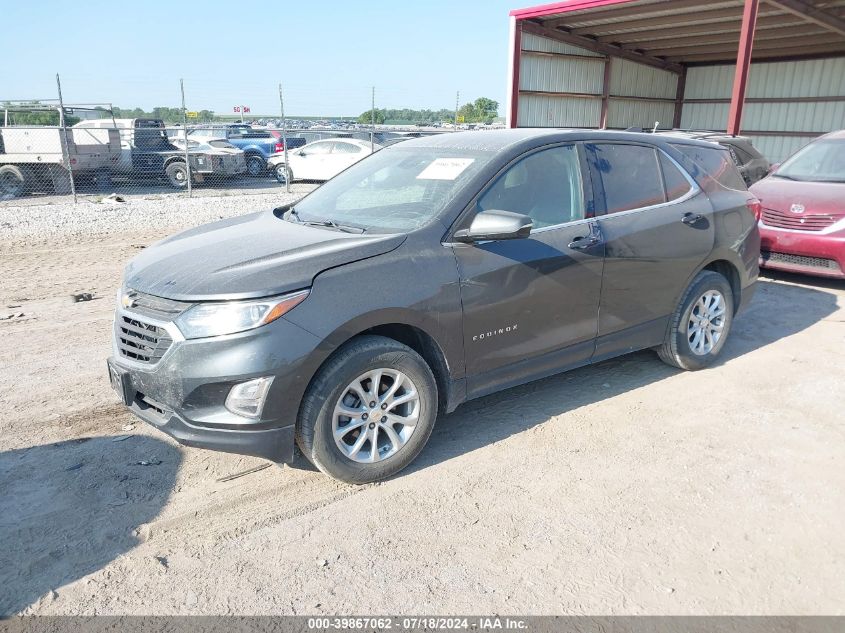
(13, 181)
(177, 174)
(282, 173)
(369, 411)
(255, 165)
(700, 324)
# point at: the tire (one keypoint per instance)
(282, 173)
(255, 165)
(700, 324)
(330, 392)
(14, 181)
(177, 174)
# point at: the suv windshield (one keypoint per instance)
(394, 190)
(822, 161)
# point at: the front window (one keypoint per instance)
(394, 190)
(546, 186)
(822, 161)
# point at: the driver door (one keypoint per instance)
(531, 305)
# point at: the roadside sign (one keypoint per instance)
(192, 115)
(461, 118)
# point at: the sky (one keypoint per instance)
(327, 55)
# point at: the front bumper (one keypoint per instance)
(183, 394)
(810, 253)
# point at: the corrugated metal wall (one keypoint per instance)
(708, 91)
(561, 86)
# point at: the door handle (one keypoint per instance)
(581, 243)
(692, 218)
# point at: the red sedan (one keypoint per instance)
(802, 223)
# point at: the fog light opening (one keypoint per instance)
(247, 398)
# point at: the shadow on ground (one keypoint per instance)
(68, 509)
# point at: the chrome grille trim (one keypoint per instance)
(809, 222)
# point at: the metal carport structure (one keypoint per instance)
(771, 69)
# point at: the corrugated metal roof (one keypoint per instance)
(531, 42)
(681, 31)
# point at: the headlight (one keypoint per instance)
(215, 319)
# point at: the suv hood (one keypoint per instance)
(251, 256)
(817, 198)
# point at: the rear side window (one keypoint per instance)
(630, 176)
(716, 163)
(345, 148)
(677, 186)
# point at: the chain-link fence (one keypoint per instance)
(56, 151)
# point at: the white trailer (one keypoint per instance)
(41, 158)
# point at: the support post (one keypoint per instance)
(679, 98)
(516, 54)
(605, 92)
(185, 130)
(457, 107)
(284, 139)
(373, 121)
(743, 63)
(66, 141)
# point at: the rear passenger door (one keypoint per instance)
(658, 230)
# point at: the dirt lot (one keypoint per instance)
(624, 488)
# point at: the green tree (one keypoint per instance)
(367, 117)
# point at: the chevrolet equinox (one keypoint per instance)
(434, 271)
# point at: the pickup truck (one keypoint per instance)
(146, 151)
(258, 145)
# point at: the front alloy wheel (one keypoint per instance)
(369, 410)
(376, 415)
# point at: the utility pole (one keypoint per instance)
(284, 139)
(373, 120)
(185, 129)
(457, 106)
(65, 148)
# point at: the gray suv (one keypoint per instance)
(435, 271)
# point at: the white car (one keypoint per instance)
(320, 160)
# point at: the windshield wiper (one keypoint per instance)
(331, 224)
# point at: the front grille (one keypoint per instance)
(799, 260)
(140, 341)
(797, 221)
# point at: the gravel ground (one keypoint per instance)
(31, 223)
(623, 488)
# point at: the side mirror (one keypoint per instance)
(496, 225)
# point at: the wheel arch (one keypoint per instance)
(408, 332)
(729, 271)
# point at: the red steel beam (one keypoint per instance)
(679, 98)
(605, 93)
(743, 63)
(517, 60)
